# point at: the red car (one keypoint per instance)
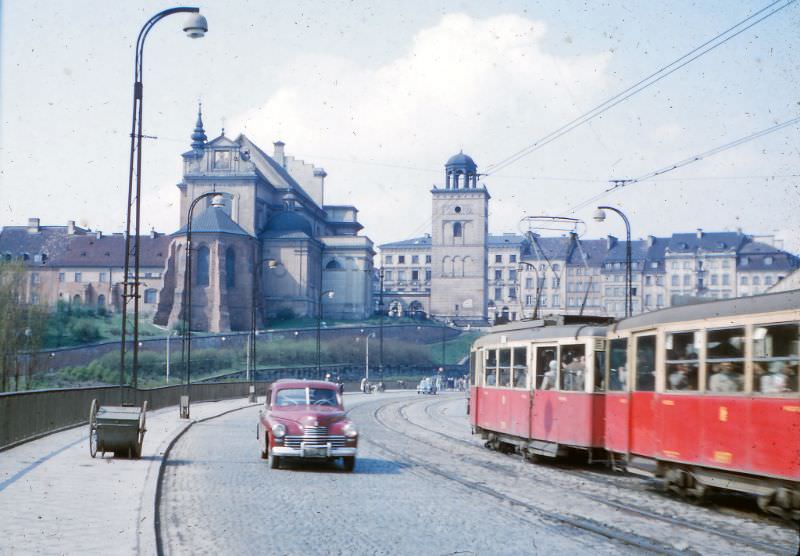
(306, 419)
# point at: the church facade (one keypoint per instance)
(273, 246)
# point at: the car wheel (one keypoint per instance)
(274, 462)
(349, 463)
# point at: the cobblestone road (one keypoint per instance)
(422, 495)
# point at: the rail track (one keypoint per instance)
(511, 470)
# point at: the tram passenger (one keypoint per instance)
(679, 378)
(777, 380)
(724, 379)
(550, 377)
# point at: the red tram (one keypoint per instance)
(704, 396)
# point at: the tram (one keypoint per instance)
(703, 396)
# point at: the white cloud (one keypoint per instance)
(481, 85)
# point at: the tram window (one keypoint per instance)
(617, 364)
(489, 377)
(504, 368)
(520, 367)
(725, 359)
(683, 365)
(599, 371)
(472, 368)
(776, 357)
(645, 364)
(573, 367)
(546, 367)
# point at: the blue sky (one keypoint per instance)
(381, 94)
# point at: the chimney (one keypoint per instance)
(651, 240)
(278, 154)
(699, 233)
(153, 233)
(33, 225)
(98, 234)
(71, 227)
(611, 241)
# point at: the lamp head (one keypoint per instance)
(330, 294)
(599, 215)
(218, 201)
(271, 263)
(195, 26)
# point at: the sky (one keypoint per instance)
(381, 94)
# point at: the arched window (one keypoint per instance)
(333, 264)
(230, 268)
(457, 231)
(101, 301)
(202, 266)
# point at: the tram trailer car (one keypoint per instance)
(533, 387)
(704, 396)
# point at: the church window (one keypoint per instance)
(457, 229)
(230, 268)
(333, 264)
(457, 210)
(202, 266)
(222, 160)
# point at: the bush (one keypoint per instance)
(84, 331)
(285, 313)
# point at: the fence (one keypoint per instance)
(31, 414)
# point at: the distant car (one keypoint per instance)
(306, 419)
(426, 386)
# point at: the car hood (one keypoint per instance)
(306, 416)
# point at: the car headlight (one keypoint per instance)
(350, 430)
(278, 430)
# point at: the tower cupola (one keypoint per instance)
(461, 172)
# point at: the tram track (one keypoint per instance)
(619, 505)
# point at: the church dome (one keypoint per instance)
(461, 160)
(289, 221)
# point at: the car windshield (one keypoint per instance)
(306, 396)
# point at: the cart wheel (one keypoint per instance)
(93, 429)
(142, 430)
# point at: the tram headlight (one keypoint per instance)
(278, 430)
(350, 430)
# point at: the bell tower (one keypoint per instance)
(459, 243)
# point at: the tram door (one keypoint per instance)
(642, 411)
(544, 414)
(617, 396)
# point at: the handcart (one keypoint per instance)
(117, 429)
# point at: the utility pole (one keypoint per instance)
(381, 311)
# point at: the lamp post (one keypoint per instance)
(366, 355)
(186, 310)
(195, 27)
(381, 311)
(254, 303)
(322, 295)
(600, 216)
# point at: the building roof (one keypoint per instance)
(706, 241)
(81, 249)
(289, 221)
(505, 239)
(213, 220)
(416, 242)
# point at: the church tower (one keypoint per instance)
(459, 248)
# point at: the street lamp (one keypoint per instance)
(381, 311)
(195, 27)
(251, 355)
(329, 294)
(186, 312)
(600, 216)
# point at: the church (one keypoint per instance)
(271, 241)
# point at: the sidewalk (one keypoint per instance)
(56, 499)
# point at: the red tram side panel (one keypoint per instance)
(569, 418)
(617, 422)
(774, 437)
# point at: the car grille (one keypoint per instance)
(314, 436)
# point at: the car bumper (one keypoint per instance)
(314, 452)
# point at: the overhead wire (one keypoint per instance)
(620, 184)
(642, 84)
